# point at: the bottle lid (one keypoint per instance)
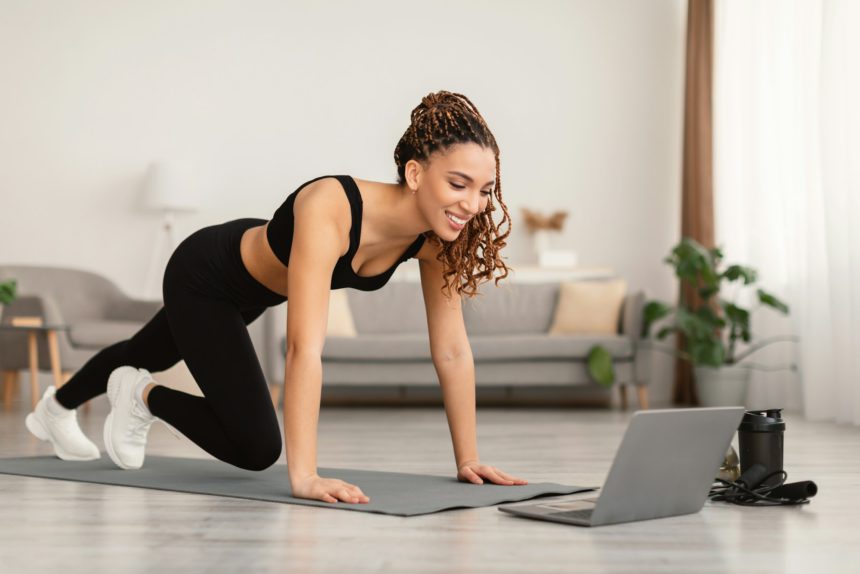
(768, 420)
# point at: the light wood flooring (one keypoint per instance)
(70, 527)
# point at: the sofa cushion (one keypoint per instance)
(399, 308)
(100, 334)
(527, 346)
(589, 307)
(510, 308)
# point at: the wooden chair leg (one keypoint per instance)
(8, 381)
(643, 396)
(54, 352)
(33, 349)
(622, 392)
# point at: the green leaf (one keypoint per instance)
(8, 291)
(739, 318)
(693, 326)
(693, 263)
(735, 272)
(708, 291)
(600, 366)
(707, 315)
(716, 255)
(665, 331)
(652, 312)
(707, 352)
(771, 301)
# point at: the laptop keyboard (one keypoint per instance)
(581, 514)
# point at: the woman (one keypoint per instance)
(332, 232)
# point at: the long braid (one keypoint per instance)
(443, 119)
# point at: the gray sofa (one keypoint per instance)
(508, 332)
(514, 356)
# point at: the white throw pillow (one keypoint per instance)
(589, 307)
(340, 323)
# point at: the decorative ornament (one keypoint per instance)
(541, 227)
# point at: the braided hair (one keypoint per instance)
(441, 120)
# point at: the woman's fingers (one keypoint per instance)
(513, 478)
(357, 492)
(493, 475)
(497, 476)
(473, 476)
(351, 493)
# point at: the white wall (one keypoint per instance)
(584, 97)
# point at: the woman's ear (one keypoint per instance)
(412, 173)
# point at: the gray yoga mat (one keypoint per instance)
(396, 493)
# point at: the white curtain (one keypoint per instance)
(787, 190)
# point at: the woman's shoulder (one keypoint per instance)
(324, 195)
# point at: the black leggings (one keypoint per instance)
(209, 298)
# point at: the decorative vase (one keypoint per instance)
(541, 241)
(725, 386)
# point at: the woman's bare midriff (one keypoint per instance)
(261, 262)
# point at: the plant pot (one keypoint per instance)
(722, 387)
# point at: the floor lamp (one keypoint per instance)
(169, 189)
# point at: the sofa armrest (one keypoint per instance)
(132, 309)
(631, 315)
(51, 310)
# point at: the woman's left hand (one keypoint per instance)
(473, 471)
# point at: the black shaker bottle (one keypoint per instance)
(760, 441)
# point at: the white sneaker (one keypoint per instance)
(70, 442)
(127, 425)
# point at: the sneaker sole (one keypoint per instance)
(107, 434)
(40, 432)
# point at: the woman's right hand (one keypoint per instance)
(327, 489)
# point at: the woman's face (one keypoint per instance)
(457, 182)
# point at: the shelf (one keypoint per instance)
(527, 273)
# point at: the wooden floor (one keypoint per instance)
(70, 527)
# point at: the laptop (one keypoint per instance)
(666, 464)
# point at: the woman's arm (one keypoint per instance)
(316, 246)
(455, 367)
(452, 356)
(321, 217)
(302, 393)
(457, 380)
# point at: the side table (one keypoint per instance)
(33, 326)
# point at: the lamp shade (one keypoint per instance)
(171, 186)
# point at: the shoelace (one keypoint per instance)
(139, 430)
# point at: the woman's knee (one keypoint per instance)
(261, 451)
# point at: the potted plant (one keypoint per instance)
(713, 327)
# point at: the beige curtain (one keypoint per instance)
(697, 204)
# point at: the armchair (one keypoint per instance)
(96, 310)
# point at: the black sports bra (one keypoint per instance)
(280, 235)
